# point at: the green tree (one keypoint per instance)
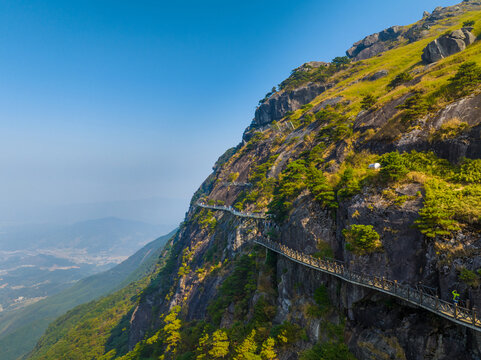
(340, 62)
(469, 23)
(415, 107)
(466, 79)
(268, 352)
(220, 344)
(393, 166)
(202, 347)
(320, 188)
(171, 330)
(362, 239)
(368, 101)
(349, 185)
(247, 350)
(400, 79)
(436, 217)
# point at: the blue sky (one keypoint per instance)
(130, 101)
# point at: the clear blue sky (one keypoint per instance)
(107, 101)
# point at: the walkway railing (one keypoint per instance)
(416, 296)
(457, 314)
(233, 211)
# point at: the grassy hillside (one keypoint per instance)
(99, 327)
(20, 330)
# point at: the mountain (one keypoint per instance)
(40, 260)
(20, 330)
(346, 225)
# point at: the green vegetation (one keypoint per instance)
(368, 101)
(470, 277)
(82, 333)
(268, 95)
(416, 106)
(465, 81)
(233, 177)
(206, 219)
(299, 175)
(437, 215)
(450, 129)
(340, 62)
(322, 302)
(393, 166)
(237, 289)
(400, 79)
(308, 74)
(26, 326)
(328, 351)
(338, 125)
(362, 239)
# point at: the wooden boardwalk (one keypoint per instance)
(459, 315)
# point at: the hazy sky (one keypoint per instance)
(132, 101)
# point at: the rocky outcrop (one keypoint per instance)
(374, 44)
(448, 44)
(376, 76)
(308, 66)
(279, 104)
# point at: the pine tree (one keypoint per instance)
(220, 344)
(202, 348)
(247, 349)
(171, 330)
(268, 352)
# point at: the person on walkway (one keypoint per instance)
(455, 297)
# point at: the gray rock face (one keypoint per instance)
(374, 44)
(311, 65)
(280, 103)
(377, 75)
(448, 45)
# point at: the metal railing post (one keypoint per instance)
(474, 315)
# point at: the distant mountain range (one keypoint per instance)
(40, 260)
(20, 329)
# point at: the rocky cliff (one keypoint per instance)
(416, 220)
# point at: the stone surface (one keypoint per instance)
(448, 44)
(311, 65)
(279, 104)
(374, 44)
(376, 76)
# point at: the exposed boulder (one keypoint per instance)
(377, 75)
(308, 66)
(279, 104)
(374, 44)
(448, 44)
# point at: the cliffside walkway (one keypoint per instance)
(459, 315)
(232, 211)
